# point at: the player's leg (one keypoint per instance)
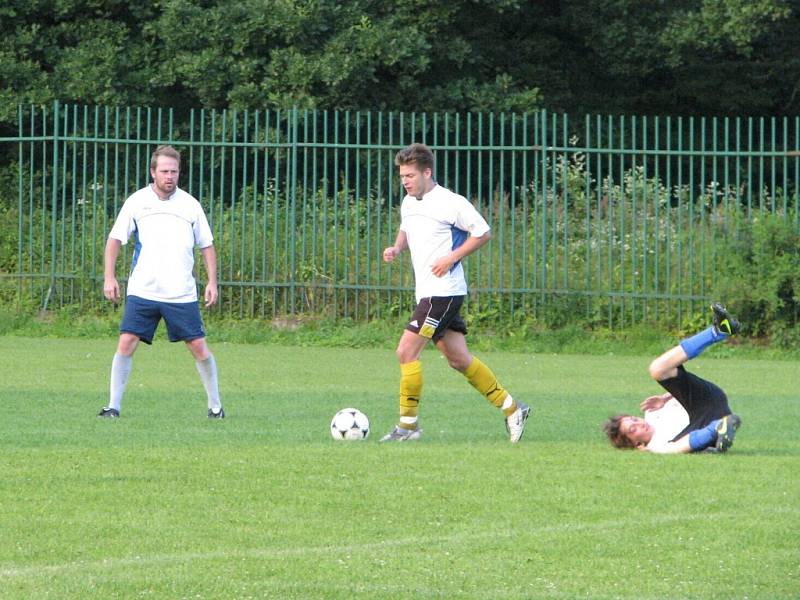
(207, 368)
(453, 345)
(422, 327)
(139, 323)
(184, 323)
(408, 352)
(723, 326)
(121, 366)
(666, 365)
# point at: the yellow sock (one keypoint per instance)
(482, 379)
(410, 391)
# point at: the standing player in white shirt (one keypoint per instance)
(693, 415)
(439, 228)
(167, 224)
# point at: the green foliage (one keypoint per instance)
(466, 55)
(9, 240)
(93, 52)
(761, 276)
(735, 47)
(255, 55)
(724, 26)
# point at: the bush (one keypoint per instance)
(761, 276)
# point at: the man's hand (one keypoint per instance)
(442, 266)
(111, 289)
(390, 253)
(210, 294)
(654, 402)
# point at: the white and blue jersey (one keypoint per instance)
(166, 233)
(435, 226)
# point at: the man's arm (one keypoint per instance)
(210, 260)
(110, 285)
(655, 402)
(470, 245)
(400, 244)
(679, 446)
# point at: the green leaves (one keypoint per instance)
(724, 25)
(256, 54)
(762, 276)
(605, 56)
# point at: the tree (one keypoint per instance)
(92, 52)
(684, 56)
(604, 56)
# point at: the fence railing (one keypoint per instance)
(616, 217)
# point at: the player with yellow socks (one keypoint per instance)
(439, 228)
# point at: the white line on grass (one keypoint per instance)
(12, 572)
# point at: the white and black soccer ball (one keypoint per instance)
(350, 424)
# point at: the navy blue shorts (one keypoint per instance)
(433, 316)
(141, 318)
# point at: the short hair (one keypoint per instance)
(615, 435)
(416, 154)
(168, 151)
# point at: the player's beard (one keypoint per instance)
(418, 191)
(165, 192)
(423, 188)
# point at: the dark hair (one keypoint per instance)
(617, 438)
(415, 154)
(164, 151)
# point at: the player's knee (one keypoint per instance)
(656, 370)
(459, 363)
(404, 355)
(127, 344)
(199, 348)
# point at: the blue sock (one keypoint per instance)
(700, 439)
(694, 345)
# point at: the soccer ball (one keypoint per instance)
(350, 424)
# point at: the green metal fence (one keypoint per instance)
(616, 217)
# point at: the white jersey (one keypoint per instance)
(166, 233)
(434, 227)
(668, 421)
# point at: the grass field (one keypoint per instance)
(164, 503)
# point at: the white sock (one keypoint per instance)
(120, 369)
(208, 374)
(507, 402)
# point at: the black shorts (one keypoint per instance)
(704, 401)
(435, 315)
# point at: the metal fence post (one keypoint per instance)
(54, 207)
(293, 229)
